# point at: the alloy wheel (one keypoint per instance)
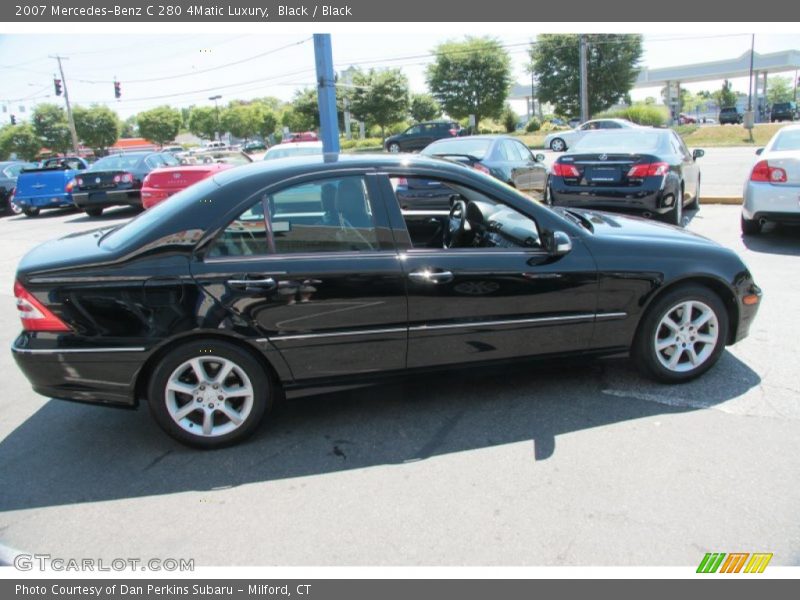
(686, 336)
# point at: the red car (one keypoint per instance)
(302, 136)
(160, 184)
(685, 119)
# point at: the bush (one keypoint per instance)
(354, 144)
(641, 114)
(533, 125)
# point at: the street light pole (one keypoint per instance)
(584, 75)
(70, 121)
(216, 108)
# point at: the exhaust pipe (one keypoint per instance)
(762, 221)
(647, 215)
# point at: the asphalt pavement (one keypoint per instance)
(579, 463)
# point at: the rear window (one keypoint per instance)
(620, 141)
(728, 110)
(787, 140)
(278, 152)
(117, 162)
(136, 229)
(783, 106)
(475, 148)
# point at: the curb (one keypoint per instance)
(737, 200)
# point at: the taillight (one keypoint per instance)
(124, 178)
(79, 181)
(656, 169)
(565, 170)
(70, 186)
(762, 171)
(402, 181)
(146, 180)
(454, 132)
(481, 168)
(33, 314)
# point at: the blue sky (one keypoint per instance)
(185, 69)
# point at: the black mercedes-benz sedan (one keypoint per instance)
(306, 272)
(646, 171)
(116, 180)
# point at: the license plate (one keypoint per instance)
(603, 174)
(97, 197)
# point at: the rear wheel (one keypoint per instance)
(682, 335)
(394, 148)
(94, 212)
(209, 394)
(31, 212)
(750, 227)
(675, 216)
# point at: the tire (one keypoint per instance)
(698, 345)
(695, 203)
(394, 147)
(675, 216)
(14, 209)
(187, 405)
(558, 145)
(749, 227)
(31, 212)
(94, 212)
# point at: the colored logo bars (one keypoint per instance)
(714, 562)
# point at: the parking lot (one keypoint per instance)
(582, 463)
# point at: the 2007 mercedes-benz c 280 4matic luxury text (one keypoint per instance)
(306, 272)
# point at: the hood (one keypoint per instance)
(69, 251)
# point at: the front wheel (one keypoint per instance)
(209, 394)
(394, 148)
(94, 212)
(558, 145)
(14, 208)
(682, 335)
(31, 212)
(695, 203)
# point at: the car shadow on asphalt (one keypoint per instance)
(775, 239)
(45, 214)
(70, 453)
(127, 212)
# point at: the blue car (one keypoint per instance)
(47, 186)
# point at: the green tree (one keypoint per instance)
(725, 96)
(266, 121)
(305, 110)
(129, 127)
(380, 97)
(203, 122)
(779, 89)
(241, 120)
(509, 119)
(50, 124)
(470, 77)
(612, 62)
(159, 125)
(98, 127)
(424, 107)
(21, 141)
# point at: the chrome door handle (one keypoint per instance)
(252, 285)
(428, 276)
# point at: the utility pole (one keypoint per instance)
(584, 74)
(73, 134)
(216, 108)
(326, 93)
(749, 117)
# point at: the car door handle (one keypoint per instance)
(428, 276)
(253, 285)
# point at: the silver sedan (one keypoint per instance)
(772, 192)
(558, 141)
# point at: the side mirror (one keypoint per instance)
(557, 243)
(759, 151)
(698, 154)
(539, 157)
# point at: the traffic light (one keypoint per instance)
(117, 89)
(57, 86)
(13, 120)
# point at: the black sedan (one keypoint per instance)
(645, 171)
(500, 156)
(117, 180)
(9, 171)
(305, 272)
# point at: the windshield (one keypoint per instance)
(278, 152)
(470, 147)
(627, 142)
(133, 230)
(787, 140)
(117, 162)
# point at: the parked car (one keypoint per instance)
(559, 141)
(243, 285)
(730, 115)
(772, 191)
(418, 136)
(49, 185)
(175, 149)
(214, 145)
(9, 171)
(684, 119)
(301, 136)
(783, 111)
(160, 184)
(293, 149)
(254, 146)
(117, 180)
(645, 170)
(500, 156)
